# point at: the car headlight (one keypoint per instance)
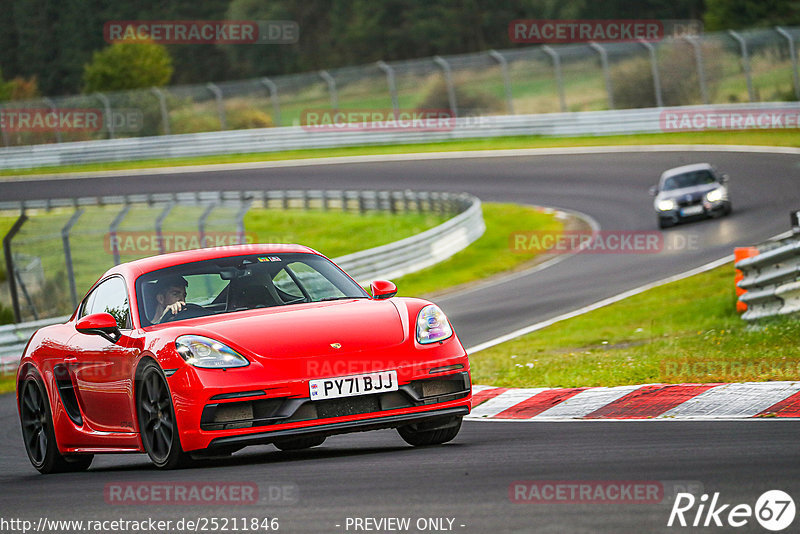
(666, 205)
(715, 195)
(208, 353)
(432, 325)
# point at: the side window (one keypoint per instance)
(111, 297)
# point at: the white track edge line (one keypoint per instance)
(599, 304)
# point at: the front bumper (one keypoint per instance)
(709, 209)
(445, 415)
(239, 415)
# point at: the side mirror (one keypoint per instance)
(99, 324)
(654, 191)
(383, 289)
(724, 179)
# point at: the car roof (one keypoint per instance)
(145, 265)
(686, 168)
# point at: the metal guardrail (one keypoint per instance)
(631, 121)
(14, 337)
(686, 66)
(386, 261)
(772, 279)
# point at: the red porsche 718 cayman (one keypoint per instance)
(207, 351)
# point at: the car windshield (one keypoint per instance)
(688, 179)
(237, 283)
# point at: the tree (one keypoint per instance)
(124, 66)
(737, 14)
(6, 88)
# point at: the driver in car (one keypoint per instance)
(170, 297)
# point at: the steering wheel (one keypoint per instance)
(186, 313)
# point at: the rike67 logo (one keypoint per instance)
(774, 510)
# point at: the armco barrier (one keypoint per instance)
(14, 337)
(631, 121)
(386, 261)
(772, 279)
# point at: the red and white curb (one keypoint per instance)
(651, 401)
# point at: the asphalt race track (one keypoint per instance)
(376, 474)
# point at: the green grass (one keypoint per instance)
(755, 137)
(487, 256)
(685, 331)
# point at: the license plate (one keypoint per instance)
(350, 386)
(692, 210)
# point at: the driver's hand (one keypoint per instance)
(173, 308)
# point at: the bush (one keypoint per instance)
(632, 80)
(124, 66)
(468, 103)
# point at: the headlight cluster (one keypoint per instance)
(432, 325)
(715, 195)
(666, 205)
(208, 353)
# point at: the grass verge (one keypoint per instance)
(749, 137)
(685, 331)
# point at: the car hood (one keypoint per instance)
(313, 329)
(696, 190)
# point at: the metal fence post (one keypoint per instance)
(160, 224)
(448, 80)
(73, 291)
(701, 72)
(745, 63)
(793, 56)
(201, 222)
(10, 269)
(325, 75)
(240, 219)
(654, 71)
(162, 104)
(497, 56)
(112, 232)
(3, 131)
(109, 119)
(390, 81)
(559, 78)
(217, 92)
(54, 109)
(273, 96)
(606, 74)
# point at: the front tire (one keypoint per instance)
(157, 424)
(38, 431)
(418, 436)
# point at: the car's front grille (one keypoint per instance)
(690, 200)
(264, 412)
(348, 406)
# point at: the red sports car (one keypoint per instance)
(207, 351)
